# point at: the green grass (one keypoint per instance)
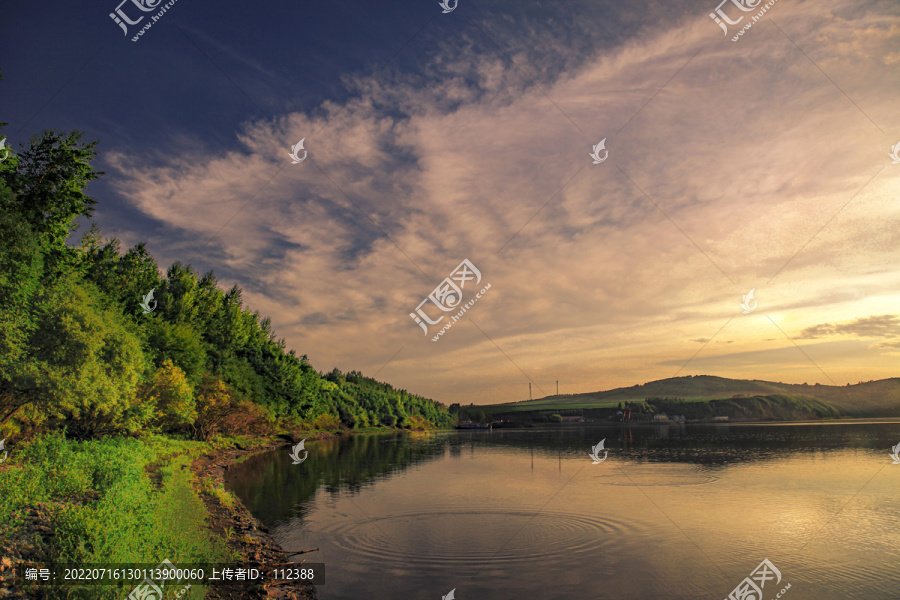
(105, 506)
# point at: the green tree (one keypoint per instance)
(84, 363)
(169, 397)
(48, 183)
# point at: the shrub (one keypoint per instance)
(169, 398)
(215, 405)
(327, 422)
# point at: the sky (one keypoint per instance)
(728, 164)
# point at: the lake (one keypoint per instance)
(673, 512)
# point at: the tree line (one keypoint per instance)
(79, 351)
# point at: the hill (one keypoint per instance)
(96, 341)
(864, 399)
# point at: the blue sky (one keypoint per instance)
(758, 164)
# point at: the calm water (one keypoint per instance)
(678, 512)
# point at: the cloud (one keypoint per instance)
(875, 326)
(729, 163)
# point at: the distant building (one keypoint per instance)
(719, 419)
(576, 419)
(661, 417)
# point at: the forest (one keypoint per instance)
(81, 353)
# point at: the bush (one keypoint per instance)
(417, 423)
(169, 397)
(215, 405)
(248, 419)
(327, 422)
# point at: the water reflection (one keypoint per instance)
(675, 512)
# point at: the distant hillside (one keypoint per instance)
(869, 399)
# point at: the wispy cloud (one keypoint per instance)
(745, 156)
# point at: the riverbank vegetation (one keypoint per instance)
(86, 347)
(114, 376)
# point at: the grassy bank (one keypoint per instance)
(113, 500)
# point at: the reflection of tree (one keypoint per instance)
(709, 445)
(274, 490)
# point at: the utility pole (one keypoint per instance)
(529, 391)
(557, 387)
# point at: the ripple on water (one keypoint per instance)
(650, 475)
(456, 538)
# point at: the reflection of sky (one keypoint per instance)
(483, 521)
(472, 141)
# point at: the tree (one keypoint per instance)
(49, 184)
(178, 343)
(215, 404)
(169, 398)
(84, 364)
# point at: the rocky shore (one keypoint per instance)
(246, 536)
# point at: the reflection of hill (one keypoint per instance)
(273, 488)
(869, 399)
(709, 445)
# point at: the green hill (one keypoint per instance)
(96, 340)
(865, 399)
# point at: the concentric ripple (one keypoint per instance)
(447, 538)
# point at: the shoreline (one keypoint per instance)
(239, 529)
